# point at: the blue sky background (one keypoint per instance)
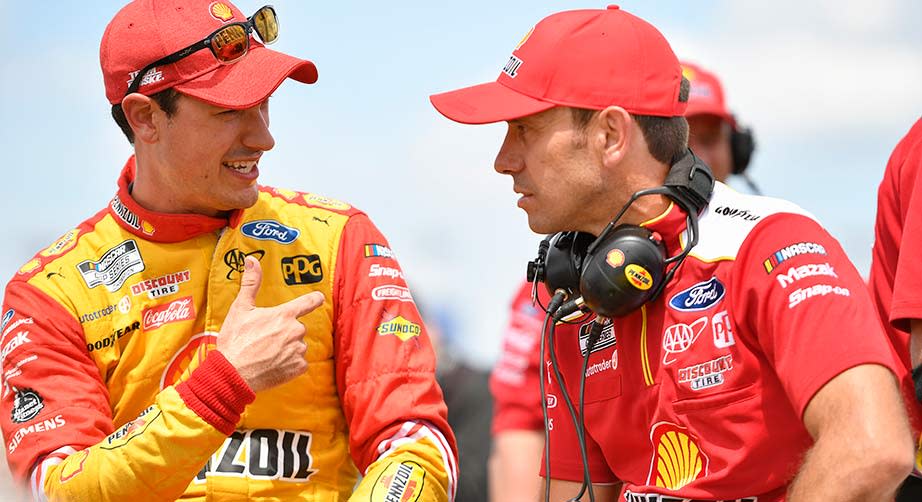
(828, 86)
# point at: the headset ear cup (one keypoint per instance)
(623, 272)
(742, 145)
(565, 257)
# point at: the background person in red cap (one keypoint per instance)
(180, 343)
(518, 422)
(760, 371)
(896, 270)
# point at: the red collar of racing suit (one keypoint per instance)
(670, 225)
(155, 226)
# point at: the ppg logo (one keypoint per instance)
(269, 230)
(701, 296)
(302, 269)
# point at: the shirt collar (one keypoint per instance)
(156, 226)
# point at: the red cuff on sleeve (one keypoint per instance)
(216, 392)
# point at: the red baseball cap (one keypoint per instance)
(580, 58)
(145, 31)
(706, 95)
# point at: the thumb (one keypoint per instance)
(249, 283)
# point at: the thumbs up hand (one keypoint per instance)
(265, 344)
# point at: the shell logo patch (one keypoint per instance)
(399, 327)
(401, 482)
(221, 11)
(188, 358)
(677, 459)
(147, 227)
(325, 202)
(688, 73)
(66, 242)
(638, 277)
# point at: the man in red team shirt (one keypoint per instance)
(761, 371)
(518, 423)
(896, 271)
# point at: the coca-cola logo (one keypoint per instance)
(701, 296)
(178, 310)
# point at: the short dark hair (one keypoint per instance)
(165, 99)
(667, 137)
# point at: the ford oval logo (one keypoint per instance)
(701, 296)
(269, 230)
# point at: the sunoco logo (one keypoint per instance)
(399, 327)
(269, 230)
(701, 296)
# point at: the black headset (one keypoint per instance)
(742, 145)
(626, 266)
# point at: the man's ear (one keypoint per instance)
(141, 113)
(615, 126)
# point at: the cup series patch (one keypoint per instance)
(114, 267)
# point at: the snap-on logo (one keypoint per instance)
(269, 230)
(701, 296)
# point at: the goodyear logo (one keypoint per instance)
(187, 359)
(677, 459)
(638, 277)
(221, 11)
(399, 327)
(66, 242)
(401, 482)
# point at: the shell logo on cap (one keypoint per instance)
(677, 459)
(188, 358)
(221, 11)
(688, 73)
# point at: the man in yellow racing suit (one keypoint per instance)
(204, 337)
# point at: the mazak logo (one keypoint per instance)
(399, 327)
(270, 230)
(234, 259)
(302, 269)
(114, 267)
(17, 340)
(175, 311)
(701, 296)
(27, 404)
(809, 270)
(391, 292)
(680, 337)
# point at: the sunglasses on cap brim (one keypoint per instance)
(228, 43)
